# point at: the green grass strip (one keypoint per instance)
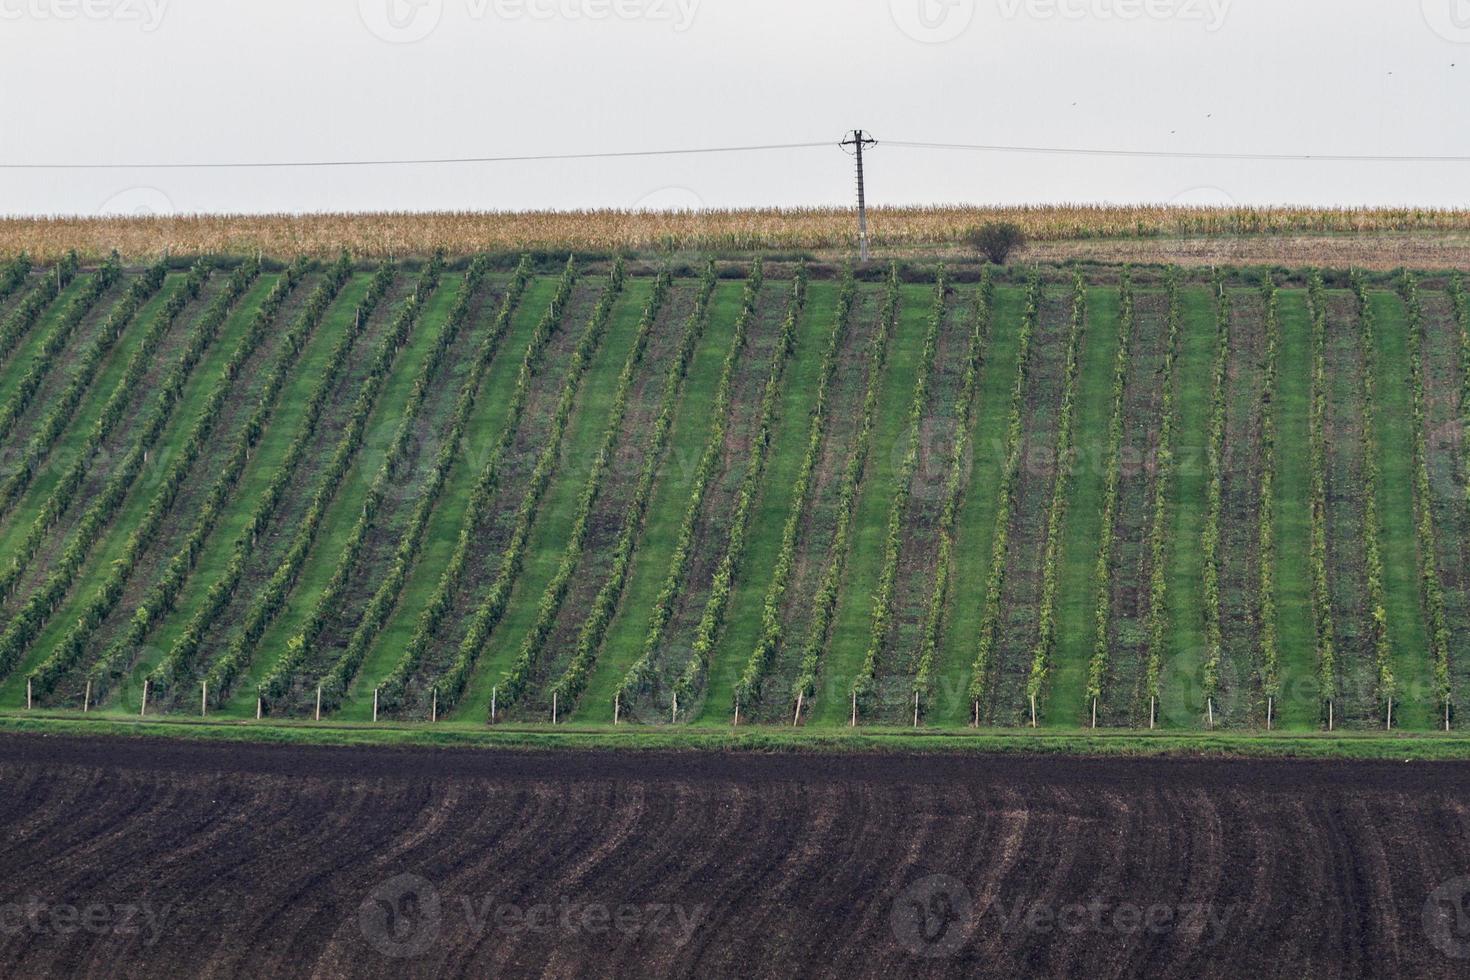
(1324, 630)
(1215, 500)
(17, 325)
(1299, 696)
(1270, 655)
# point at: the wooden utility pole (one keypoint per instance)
(857, 141)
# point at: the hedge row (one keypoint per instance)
(481, 498)
(179, 661)
(272, 596)
(161, 597)
(713, 617)
(824, 603)
(761, 658)
(1215, 495)
(1266, 523)
(639, 678)
(594, 627)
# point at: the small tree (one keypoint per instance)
(996, 239)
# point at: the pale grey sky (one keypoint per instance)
(120, 81)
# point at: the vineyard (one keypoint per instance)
(504, 489)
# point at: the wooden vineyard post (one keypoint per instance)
(1270, 704)
(493, 692)
(1446, 714)
(375, 704)
(1329, 715)
(204, 699)
(1094, 712)
(1210, 710)
(87, 696)
(976, 722)
(737, 714)
(1033, 711)
(1153, 711)
(259, 708)
(675, 717)
(553, 707)
(618, 707)
(144, 709)
(318, 702)
(796, 718)
(1389, 721)
(854, 710)
(434, 707)
(916, 709)
(28, 680)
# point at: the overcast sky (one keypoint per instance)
(140, 81)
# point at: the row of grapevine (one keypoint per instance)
(1323, 628)
(1462, 320)
(179, 660)
(824, 603)
(761, 658)
(589, 638)
(1266, 598)
(866, 680)
(639, 678)
(487, 615)
(1372, 527)
(329, 602)
(728, 570)
(385, 597)
(1430, 583)
(1158, 545)
(14, 273)
(1215, 496)
(38, 609)
(1097, 668)
(518, 677)
(1061, 487)
(481, 498)
(954, 487)
(1006, 501)
(20, 320)
(57, 339)
(41, 443)
(160, 598)
(268, 600)
(62, 407)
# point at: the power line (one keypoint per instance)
(411, 162)
(756, 148)
(1178, 154)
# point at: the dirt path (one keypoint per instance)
(227, 860)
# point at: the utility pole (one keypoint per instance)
(858, 140)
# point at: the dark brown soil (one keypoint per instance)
(196, 859)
